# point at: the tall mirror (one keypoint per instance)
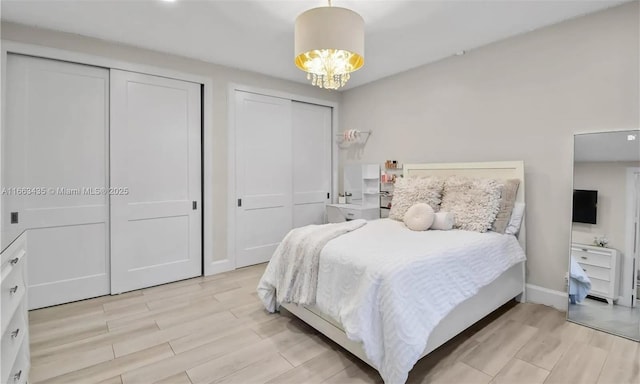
(604, 282)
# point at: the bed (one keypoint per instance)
(489, 293)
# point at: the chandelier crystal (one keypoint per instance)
(329, 45)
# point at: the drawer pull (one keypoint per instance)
(15, 333)
(13, 290)
(14, 261)
(16, 377)
(349, 214)
(584, 257)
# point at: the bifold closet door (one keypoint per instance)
(55, 171)
(155, 180)
(311, 163)
(263, 175)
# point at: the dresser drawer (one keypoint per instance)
(13, 337)
(12, 292)
(352, 214)
(592, 258)
(10, 256)
(600, 288)
(596, 272)
(338, 213)
(19, 374)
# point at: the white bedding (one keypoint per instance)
(389, 286)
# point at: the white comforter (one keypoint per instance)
(389, 286)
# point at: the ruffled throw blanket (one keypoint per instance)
(292, 273)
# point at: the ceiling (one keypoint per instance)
(607, 146)
(258, 35)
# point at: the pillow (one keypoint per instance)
(411, 190)
(516, 219)
(474, 202)
(443, 221)
(419, 217)
(507, 199)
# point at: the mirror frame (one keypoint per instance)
(636, 274)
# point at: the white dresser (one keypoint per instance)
(14, 355)
(602, 265)
(337, 213)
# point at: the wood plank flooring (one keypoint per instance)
(214, 330)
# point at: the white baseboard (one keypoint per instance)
(541, 295)
(219, 266)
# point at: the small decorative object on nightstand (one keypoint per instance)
(600, 241)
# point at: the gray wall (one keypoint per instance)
(519, 99)
(220, 75)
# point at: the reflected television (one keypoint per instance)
(585, 206)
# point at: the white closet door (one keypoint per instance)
(155, 154)
(311, 163)
(263, 176)
(55, 153)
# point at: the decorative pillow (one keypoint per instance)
(411, 190)
(419, 217)
(516, 219)
(443, 221)
(474, 202)
(507, 200)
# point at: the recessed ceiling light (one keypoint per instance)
(631, 137)
(169, 1)
(460, 53)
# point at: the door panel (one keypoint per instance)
(311, 163)
(155, 145)
(263, 175)
(55, 141)
(76, 275)
(170, 239)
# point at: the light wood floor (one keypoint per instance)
(213, 329)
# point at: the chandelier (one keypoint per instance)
(329, 45)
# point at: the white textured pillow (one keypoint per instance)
(412, 190)
(419, 217)
(443, 221)
(507, 200)
(474, 202)
(516, 219)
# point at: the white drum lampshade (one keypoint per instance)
(329, 45)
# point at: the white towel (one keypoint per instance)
(443, 221)
(579, 283)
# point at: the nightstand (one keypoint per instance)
(602, 265)
(337, 213)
